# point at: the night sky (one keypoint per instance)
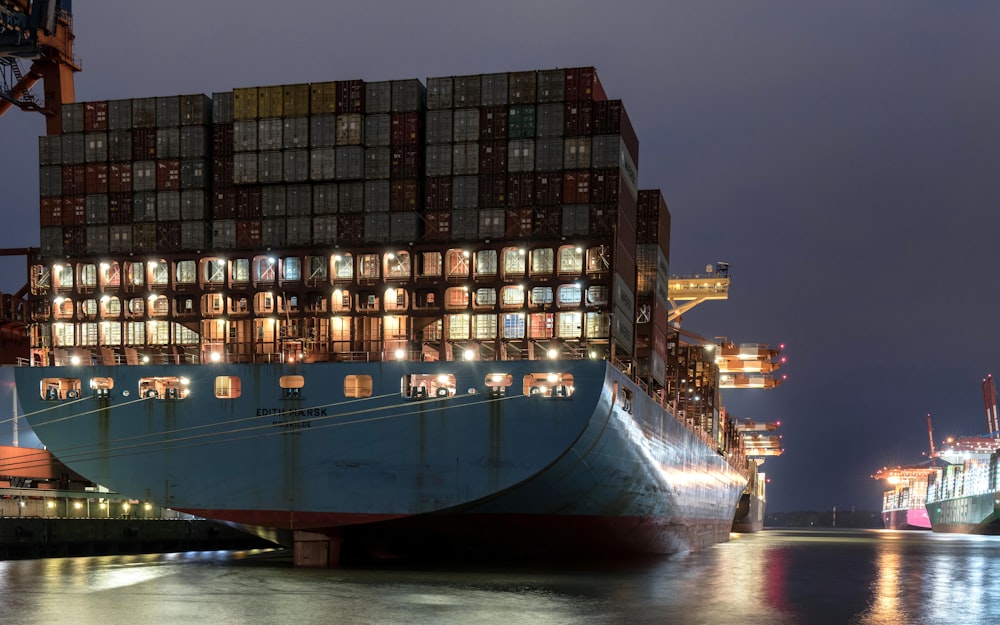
(843, 157)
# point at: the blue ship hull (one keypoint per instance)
(604, 469)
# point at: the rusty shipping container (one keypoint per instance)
(404, 195)
(95, 116)
(437, 193)
(351, 96)
(521, 87)
(120, 209)
(50, 212)
(519, 223)
(493, 191)
(120, 177)
(582, 84)
(144, 143)
(95, 178)
(405, 162)
(437, 225)
(74, 179)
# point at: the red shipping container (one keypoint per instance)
(547, 223)
(75, 240)
(168, 175)
(520, 190)
(650, 202)
(95, 116)
(248, 234)
(96, 178)
(404, 161)
(224, 203)
(605, 186)
(143, 144)
(50, 211)
(576, 187)
(120, 178)
(520, 223)
(74, 210)
(437, 225)
(577, 119)
(582, 84)
(404, 129)
(222, 172)
(493, 123)
(248, 202)
(493, 191)
(74, 179)
(437, 193)
(351, 228)
(404, 195)
(493, 157)
(222, 140)
(120, 208)
(548, 188)
(647, 229)
(351, 96)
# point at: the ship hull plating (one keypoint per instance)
(604, 470)
(906, 519)
(970, 514)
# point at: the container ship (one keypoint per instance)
(905, 498)
(386, 317)
(964, 496)
(903, 502)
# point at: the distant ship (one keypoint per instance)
(904, 500)
(964, 496)
(378, 318)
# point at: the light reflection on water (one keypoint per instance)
(775, 577)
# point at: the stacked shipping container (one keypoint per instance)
(317, 164)
(528, 159)
(126, 176)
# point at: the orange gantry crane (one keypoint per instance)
(40, 31)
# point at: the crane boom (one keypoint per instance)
(40, 31)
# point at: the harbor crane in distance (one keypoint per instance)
(40, 31)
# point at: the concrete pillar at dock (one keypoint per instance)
(316, 550)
